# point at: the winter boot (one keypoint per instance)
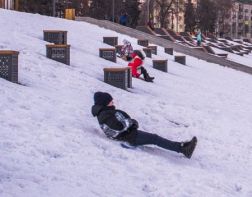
(146, 75)
(187, 148)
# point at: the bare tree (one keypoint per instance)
(224, 10)
(164, 7)
(143, 15)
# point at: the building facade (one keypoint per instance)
(7, 4)
(176, 14)
(237, 25)
(240, 21)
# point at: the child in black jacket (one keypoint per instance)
(118, 125)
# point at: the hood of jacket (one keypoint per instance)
(97, 109)
(134, 56)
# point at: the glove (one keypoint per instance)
(134, 124)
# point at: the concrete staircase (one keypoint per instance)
(166, 43)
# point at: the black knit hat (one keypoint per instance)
(102, 98)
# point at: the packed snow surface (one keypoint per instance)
(51, 145)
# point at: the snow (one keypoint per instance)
(51, 145)
(245, 59)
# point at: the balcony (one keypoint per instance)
(240, 17)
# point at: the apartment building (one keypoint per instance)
(7, 4)
(240, 21)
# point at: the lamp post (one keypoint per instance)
(54, 13)
(197, 15)
(148, 11)
(177, 15)
(113, 11)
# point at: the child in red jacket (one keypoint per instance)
(137, 66)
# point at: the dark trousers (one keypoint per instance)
(128, 58)
(143, 70)
(144, 138)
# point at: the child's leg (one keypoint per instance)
(144, 138)
(146, 75)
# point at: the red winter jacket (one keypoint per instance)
(135, 64)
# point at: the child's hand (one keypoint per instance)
(135, 124)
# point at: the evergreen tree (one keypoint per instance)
(224, 12)
(98, 9)
(102, 9)
(80, 6)
(190, 17)
(207, 15)
(43, 7)
(132, 8)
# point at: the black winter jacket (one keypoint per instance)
(116, 124)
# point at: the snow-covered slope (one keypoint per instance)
(50, 145)
(245, 59)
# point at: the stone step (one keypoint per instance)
(166, 43)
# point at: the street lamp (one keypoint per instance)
(177, 15)
(148, 11)
(113, 10)
(53, 1)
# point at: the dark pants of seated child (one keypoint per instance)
(128, 58)
(144, 138)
